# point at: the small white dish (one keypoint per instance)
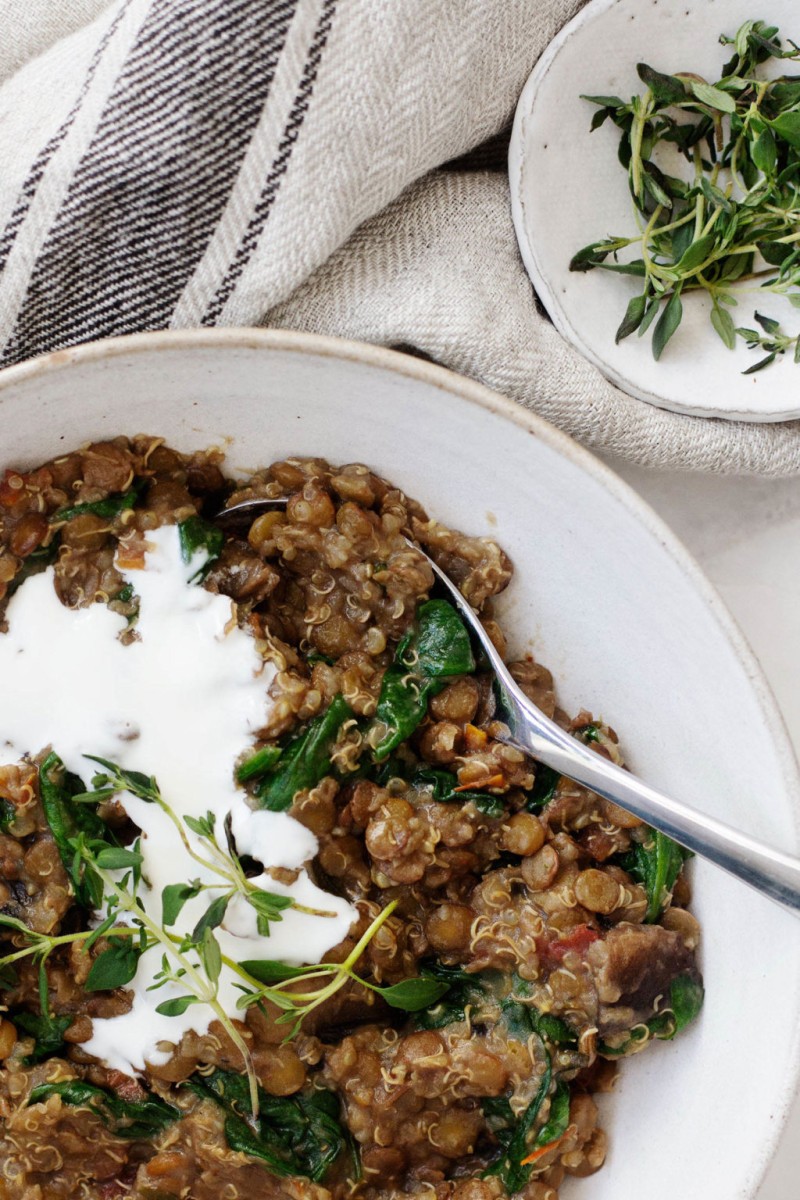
(568, 189)
(603, 594)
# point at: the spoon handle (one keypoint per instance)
(769, 871)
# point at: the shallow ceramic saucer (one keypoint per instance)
(568, 189)
(603, 594)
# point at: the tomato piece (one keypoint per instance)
(578, 939)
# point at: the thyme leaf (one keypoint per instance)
(733, 218)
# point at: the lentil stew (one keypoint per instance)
(515, 935)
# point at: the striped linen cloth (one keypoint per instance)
(299, 163)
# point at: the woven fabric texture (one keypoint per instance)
(179, 163)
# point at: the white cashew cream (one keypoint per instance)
(181, 703)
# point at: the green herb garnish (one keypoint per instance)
(106, 876)
(733, 220)
(410, 995)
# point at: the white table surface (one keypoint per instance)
(745, 533)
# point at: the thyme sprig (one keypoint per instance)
(224, 863)
(278, 982)
(107, 877)
(732, 223)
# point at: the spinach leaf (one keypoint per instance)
(306, 760)
(69, 821)
(684, 1003)
(544, 788)
(552, 1029)
(462, 990)
(441, 641)
(392, 767)
(258, 764)
(297, 1135)
(476, 990)
(656, 864)
(45, 1028)
(7, 814)
(402, 705)
(108, 508)
(686, 996)
(435, 648)
(196, 534)
(442, 785)
(558, 1120)
(517, 1019)
(514, 1142)
(522, 1019)
(130, 1119)
(48, 1032)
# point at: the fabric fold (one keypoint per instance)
(174, 163)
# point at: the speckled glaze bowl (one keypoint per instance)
(604, 595)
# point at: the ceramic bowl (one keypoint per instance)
(603, 594)
(568, 189)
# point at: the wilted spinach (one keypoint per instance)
(544, 788)
(130, 1119)
(442, 785)
(258, 764)
(305, 760)
(522, 1020)
(436, 648)
(47, 1030)
(297, 1135)
(196, 534)
(463, 990)
(513, 1133)
(108, 508)
(69, 821)
(685, 1001)
(7, 814)
(655, 863)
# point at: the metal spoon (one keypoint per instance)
(769, 871)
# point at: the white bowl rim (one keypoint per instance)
(425, 371)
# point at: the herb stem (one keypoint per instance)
(739, 197)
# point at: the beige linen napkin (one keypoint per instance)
(175, 163)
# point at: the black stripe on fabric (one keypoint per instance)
(152, 185)
(34, 176)
(278, 169)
